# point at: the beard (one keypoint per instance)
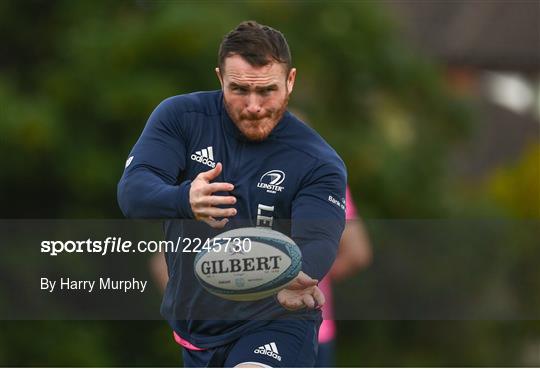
(257, 127)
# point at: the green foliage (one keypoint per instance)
(516, 188)
(76, 98)
(87, 343)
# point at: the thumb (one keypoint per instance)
(212, 173)
(303, 281)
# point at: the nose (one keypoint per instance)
(253, 104)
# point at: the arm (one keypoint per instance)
(149, 187)
(318, 218)
(317, 224)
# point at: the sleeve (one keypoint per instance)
(318, 218)
(149, 187)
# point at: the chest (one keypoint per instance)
(266, 175)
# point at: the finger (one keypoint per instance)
(212, 173)
(302, 281)
(295, 285)
(293, 304)
(217, 186)
(297, 304)
(217, 200)
(318, 295)
(287, 302)
(218, 224)
(281, 299)
(305, 279)
(308, 300)
(217, 212)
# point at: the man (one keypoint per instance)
(206, 156)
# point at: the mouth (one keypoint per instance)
(253, 120)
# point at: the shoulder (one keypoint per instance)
(181, 114)
(205, 102)
(305, 140)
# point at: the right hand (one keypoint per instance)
(203, 201)
(301, 292)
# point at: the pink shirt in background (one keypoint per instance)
(327, 332)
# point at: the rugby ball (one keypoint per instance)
(248, 264)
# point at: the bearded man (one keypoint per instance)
(199, 163)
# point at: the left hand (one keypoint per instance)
(302, 292)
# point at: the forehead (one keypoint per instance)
(238, 70)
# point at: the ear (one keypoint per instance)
(218, 73)
(290, 79)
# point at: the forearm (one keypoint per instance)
(142, 194)
(319, 245)
(319, 219)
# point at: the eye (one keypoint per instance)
(267, 91)
(238, 89)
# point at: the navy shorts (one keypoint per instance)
(281, 343)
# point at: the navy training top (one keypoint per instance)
(293, 182)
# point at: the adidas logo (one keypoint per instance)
(269, 349)
(205, 156)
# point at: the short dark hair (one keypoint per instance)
(258, 44)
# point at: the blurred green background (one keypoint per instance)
(435, 113)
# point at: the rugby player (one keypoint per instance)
(208, 156)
